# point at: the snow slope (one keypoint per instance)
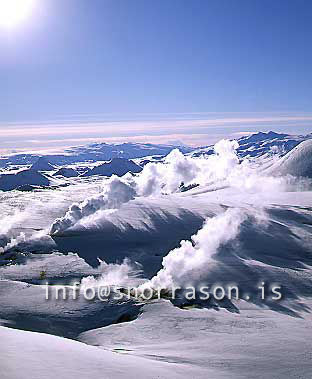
(251, 344)
(298, 162)
(34, 356)
(25, 306)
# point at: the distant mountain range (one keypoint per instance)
(254, 145)
(39, 174)
(96, 152)
(258, 144)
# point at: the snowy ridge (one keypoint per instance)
(117, 166)
(298, 162)
(259, 144)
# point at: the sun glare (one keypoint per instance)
(12, 12)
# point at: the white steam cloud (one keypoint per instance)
(188, 263)
(159, 178)
(221, 169)
(126, 273)
(116, 192)
(15, 241)
(155, 179)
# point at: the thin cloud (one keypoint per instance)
(192, 131)
(113, 127)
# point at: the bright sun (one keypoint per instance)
(12, 12)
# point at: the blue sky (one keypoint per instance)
(81, 70)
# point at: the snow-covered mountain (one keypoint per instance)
(66, 172)
(42, 164)
(28, 177)
(297, 162)
(260, 144)
(93, 153)
(129, 150)
(254, 145)
(117, 166)
(183, 220)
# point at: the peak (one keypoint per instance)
(119, 159)
(42, 164)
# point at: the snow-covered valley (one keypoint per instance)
(235, 214)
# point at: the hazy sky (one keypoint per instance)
(191, 70)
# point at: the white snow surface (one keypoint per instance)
(236, 223)
(44, 356)
(255, 343)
